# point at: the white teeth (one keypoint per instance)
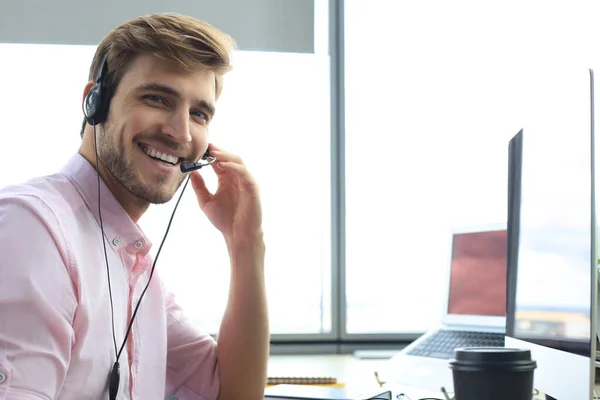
(163, 156)
(168, 158)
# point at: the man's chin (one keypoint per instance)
(157, 197)
(151, 196)
(161, 200)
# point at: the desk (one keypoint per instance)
(357, 374)
(353, 372)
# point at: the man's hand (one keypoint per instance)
(243, 340)
(234, 209)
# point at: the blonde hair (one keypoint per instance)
(184, 40)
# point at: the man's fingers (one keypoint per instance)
(239, 169)
(228, 162)
(199, 186)
(222, 155)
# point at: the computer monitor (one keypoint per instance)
(551, 271)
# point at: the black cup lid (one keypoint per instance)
(491, 354)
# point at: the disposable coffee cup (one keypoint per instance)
(492, 373)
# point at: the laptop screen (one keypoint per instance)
(478, 274)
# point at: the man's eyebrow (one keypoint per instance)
(159, 87)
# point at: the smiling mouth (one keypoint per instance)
(158, 156)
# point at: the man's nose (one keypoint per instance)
(178, 127)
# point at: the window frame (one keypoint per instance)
(338, 341)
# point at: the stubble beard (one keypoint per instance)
(122, 169)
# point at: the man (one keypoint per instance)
(74, 263)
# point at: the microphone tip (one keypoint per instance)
(185, 167)
(190, 166)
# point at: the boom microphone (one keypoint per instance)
(192, 166)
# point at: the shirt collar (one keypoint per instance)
(119, 229)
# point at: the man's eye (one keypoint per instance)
(155, 99)
(199, 114)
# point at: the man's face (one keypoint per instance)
(158, 111)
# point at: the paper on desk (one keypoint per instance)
(306, 392)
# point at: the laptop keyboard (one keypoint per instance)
(443, 342)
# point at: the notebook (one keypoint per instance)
(302, 380)
(474, 312)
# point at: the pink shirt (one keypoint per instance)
(55, 322)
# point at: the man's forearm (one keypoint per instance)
(243, 341)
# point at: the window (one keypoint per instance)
(434, 91)
(432, 95)
(274, 112)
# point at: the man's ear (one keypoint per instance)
(86, 90)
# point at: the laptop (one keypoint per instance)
(474, 310)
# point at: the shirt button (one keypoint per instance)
(116, 241)
(2, 377)
(138, 245)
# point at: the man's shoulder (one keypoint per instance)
(45, 194)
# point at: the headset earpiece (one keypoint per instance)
(91, 106)
(95, 107)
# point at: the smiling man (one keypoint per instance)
(75, 266)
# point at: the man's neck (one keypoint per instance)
(133, 205)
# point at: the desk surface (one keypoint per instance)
(357, 374)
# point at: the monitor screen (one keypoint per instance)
(478, 274)
(553, 282)
(551, 272)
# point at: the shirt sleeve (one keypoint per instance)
(192, 367)
(37, 302)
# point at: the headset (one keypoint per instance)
(96, 105)
(192, 166)
(98, 98)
